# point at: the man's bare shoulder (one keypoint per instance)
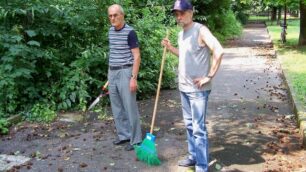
(204, 29)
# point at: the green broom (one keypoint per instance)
(147, 151)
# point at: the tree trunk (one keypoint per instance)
(285, 14)
(273, 13)
(302, 39)
(279, 15)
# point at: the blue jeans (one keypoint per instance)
(194, 106)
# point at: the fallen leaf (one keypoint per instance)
(83, 165)
(156, 128)
(218, 166)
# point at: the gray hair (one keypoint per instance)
(117, 6)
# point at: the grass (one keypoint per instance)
(266, 18)
(258, 18)
(292, 57)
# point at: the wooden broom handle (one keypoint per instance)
(159, 84)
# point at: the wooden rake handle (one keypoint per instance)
(105, 86)
(159, 84)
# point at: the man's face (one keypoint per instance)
(183, 18)
(116, 17)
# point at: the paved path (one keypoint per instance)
(249, 95)
(250, 124)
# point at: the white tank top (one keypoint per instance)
(194, 59)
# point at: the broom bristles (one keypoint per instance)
(147, 153)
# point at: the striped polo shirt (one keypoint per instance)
(120, 44)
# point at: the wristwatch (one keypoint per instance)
(134, 76)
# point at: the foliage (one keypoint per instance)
(232, 27)
(44, 54)
(55, 53)
(41, 113)
(241, 8)
(292, 4)
(3, 126)
(219, 18)
(150, 36)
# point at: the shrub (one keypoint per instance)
(41, 113)
(54, 53)
(242, 17)
(224, 25)
(3, 126)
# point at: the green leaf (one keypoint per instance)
(15, 50)
(218, 167)
(21, 11)
(34, 43)
(72, 97)
(68, 102)
(31, 33)
(65, 105)
(48, 74)
(8, 67)
(17, 38)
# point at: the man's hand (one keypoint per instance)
(166, 43)
(200, 82)
(133, 85)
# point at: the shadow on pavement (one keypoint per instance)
(237, 154)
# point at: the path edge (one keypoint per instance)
(298, 109)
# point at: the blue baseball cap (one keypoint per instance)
(182, 5)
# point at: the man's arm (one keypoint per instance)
(216, 48)
(166, 43)
(134, 46)
(214, 45)
(137, 59)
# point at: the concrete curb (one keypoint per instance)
(298, 109)
(15, 119)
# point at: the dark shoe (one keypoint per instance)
(119, 142)
(130, 147)
(186, 163)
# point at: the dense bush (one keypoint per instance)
(219, 18)
(56, 51)
(242, 17)
(3, 126)
(41, 113)
(242, 9)
(229, 23)
(54, 54)
(43, 49)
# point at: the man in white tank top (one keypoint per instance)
(196, 70)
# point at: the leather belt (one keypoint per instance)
(120, 67)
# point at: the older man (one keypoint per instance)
(195, 43)
(124, 61)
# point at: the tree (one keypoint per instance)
(302, 37)
(273, 13)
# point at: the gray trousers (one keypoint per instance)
(124, 105)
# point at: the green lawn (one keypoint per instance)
(292, 57)
(266, 18)
(258, 18)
